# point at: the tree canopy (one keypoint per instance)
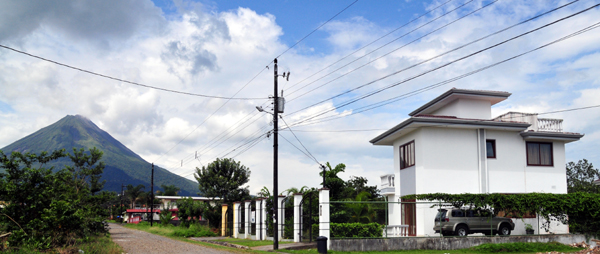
(46, 209)
(581, 177)
(224, 178)
(168, 190)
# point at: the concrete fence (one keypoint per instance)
(446, 243)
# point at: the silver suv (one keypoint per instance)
(462, 222)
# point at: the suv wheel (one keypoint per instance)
(504, 230)
(461, 231)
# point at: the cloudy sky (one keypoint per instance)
(223, 48)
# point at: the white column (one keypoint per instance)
(263, 210)
(280, 216)
(247, 225)
(257, 219)
(324, 214)
(236, 219)
(297, 216)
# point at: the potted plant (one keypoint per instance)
(529, 229)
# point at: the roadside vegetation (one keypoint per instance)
(193, 230)
(45, 209)
(247, 242)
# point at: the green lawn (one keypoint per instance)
(95, 245)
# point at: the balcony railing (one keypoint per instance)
(537, 124)
(551, 125)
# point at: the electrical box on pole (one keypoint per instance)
(280, 104)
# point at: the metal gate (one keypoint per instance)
(229, 221)
(241, 218)
(253, 219)
(288, 217)
(309, 207)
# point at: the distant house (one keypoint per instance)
(167, 202)
(453, 145)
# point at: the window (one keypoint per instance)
(490, 148)
(407, 155)
(539, 154)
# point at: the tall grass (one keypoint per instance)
(94, 245)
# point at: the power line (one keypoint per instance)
(315, 30)
(213, 113)
(432, 58)
(309, 153)
(412, 93)
(351, 71)
(363, 130)
(300, 149)
(126, 81)
(444, 65)
(370, 43)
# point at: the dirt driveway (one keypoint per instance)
(135, 241)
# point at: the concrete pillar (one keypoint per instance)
(259, 223)
(297, 216)
(223, 219)
(247, 225)
(280, 216)
(236, 219)
(263, 211)
(324, 214)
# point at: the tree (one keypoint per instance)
(332, 181)
(224, 178)
(581, 177)
(87, 165)
(168, 190)
(134, 193)
(46, 209)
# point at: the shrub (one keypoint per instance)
(194, 230)
(341, 230)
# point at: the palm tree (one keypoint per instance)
(362, 212)
(134, 193)
(293, 190)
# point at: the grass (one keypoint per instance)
(170, 230)
(513, 248)
(95, 245)
(246, 242)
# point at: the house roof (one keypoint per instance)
(544, 135)
(410, 124)
(453, 94)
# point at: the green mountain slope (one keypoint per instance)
(123, 166)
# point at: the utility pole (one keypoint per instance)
(152, 196)
(275, 162)
(121, 207)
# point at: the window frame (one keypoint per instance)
(404, 153)
(493, 141)
(540, 153)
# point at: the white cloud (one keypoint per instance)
(198, 49)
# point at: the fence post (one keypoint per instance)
(223, 219)
(236, 220)
(324, 215)
(281, 216)
(247, 227)
(297, 216)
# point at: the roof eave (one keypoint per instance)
(517, 126)
(458, 91)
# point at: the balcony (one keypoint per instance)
(537, 124)
(387, 184)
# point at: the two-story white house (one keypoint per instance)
(453, 145)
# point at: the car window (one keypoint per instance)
(457, 213)
(471, 213)
(441, 214)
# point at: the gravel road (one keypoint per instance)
(135, 241)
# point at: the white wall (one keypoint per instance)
(507, 170)
(549, 179)
(467, 108)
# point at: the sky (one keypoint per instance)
(223, 48)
